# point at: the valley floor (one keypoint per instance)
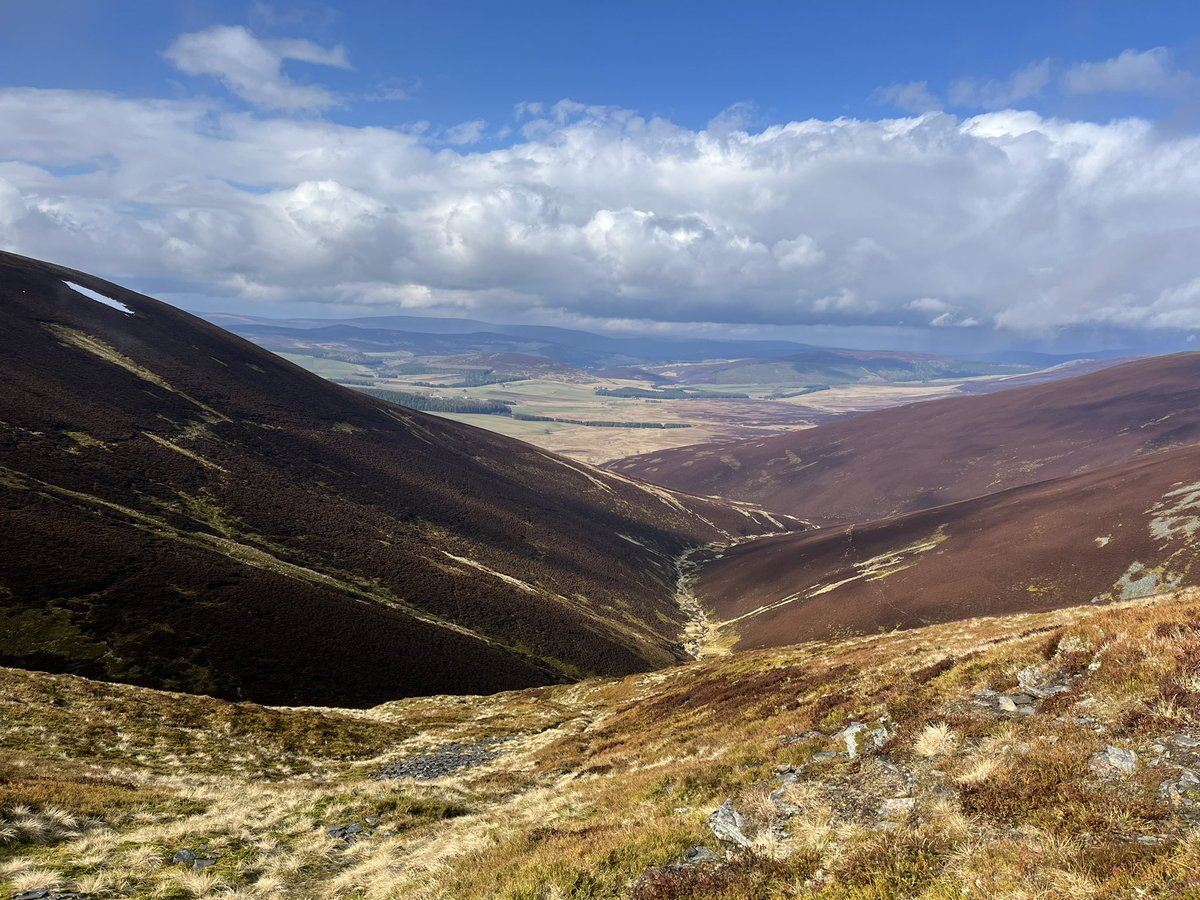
(1044, 755)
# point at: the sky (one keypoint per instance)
(951, 177)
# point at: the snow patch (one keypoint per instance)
(99, 298)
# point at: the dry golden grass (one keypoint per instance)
(604, 784)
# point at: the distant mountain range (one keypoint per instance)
(729, 360)
(432, 336)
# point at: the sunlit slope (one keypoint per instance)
(1123, 531)
(1039, 755)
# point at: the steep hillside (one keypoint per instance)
(928, 454)
(182, 509)
(1054, 755)
(1120, 532)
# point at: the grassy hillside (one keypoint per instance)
(1041, 755)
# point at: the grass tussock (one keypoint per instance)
(604, 788)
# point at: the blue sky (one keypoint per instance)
(942, 175)
(685, 61)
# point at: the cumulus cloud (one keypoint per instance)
(1144, 72)
(1004, 220)
(253, 68)
(1026, 82)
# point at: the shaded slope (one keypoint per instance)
(1117, 533)
(928, 454)
(180, 508)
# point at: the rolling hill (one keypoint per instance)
(1117, 533)
(182, 509)
(929, 454)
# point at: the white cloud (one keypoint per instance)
(1004, 220)
(466, 132)
(910, 96)
(253, 68)
(1026, 82)
(1145, 72)
(392, 90)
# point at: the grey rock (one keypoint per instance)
(1115, 759)
(852, 736)
(36, 894)
(448, 759)
(201, 864)
(727, 823)
(1182, 791)
(896, 808)
(862, 738)
(354, 828)
(699, 855)
(1041, 685)
(183, 856)
(823, 755)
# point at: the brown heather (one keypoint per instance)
(604, 784)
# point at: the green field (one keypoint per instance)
(505, 425)
(326, 368)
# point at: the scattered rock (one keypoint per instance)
(1183, 791)
(201, 864)
(698, 856)
(810, 735)
(897, 808)
(1043, 684)
(1185, 741)
(1115, 759)
(1021, 704)
(862, 738)
(349, 834)
(50, 894)
(727, 823)
(183, 856)
(1153, 840)
(448, 759)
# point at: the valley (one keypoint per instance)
(642, 395)
(318, 637)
